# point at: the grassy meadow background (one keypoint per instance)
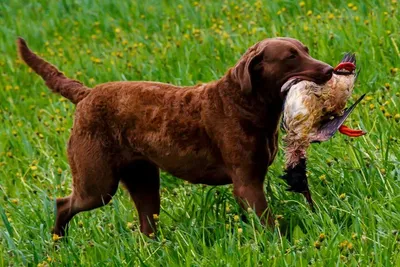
(355, 182)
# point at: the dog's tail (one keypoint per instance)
(74, 90)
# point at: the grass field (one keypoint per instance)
(356, 183)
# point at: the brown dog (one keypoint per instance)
(222, 132)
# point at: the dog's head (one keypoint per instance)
(271, 63)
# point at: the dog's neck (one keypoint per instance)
(261, 107)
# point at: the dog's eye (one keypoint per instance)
(292, 56)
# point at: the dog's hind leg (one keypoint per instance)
(94, 181)
(142, 179)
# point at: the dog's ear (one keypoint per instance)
(246, 67)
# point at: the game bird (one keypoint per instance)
(313, 113)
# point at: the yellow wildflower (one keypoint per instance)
(350, 246)
(130, 225)
(56, 237)
(343, 244)
(322, 237)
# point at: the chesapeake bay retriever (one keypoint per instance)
(221, 132)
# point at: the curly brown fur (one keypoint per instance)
(221, 132)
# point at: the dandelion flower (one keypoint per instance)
(129, 225)
(350, 246)
(322, 237)
(56, 237)
(343, 244)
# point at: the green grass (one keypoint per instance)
(356, 183)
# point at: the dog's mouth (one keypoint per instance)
(289, 83)
(293, 81)
(347, 66)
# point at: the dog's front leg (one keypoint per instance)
(250, 193)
